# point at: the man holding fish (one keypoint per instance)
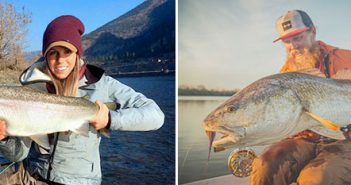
(306, 158)
(64, 149)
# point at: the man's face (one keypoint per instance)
(298, 44)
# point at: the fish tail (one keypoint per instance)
(113, 105)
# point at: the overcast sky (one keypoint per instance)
(227, 44)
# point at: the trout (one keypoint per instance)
(32, 113)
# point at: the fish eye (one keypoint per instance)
(230, 108)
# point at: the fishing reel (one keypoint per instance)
(240, 162)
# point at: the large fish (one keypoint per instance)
(32, 113)
(280, 106)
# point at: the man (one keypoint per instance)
(306, 158)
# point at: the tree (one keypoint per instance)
(13, 29)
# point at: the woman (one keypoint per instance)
(72, 158)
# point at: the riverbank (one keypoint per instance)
(8, 76)
(203, 91)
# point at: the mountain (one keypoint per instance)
(142, 41)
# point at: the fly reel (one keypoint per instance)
(240, 162)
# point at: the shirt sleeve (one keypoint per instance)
(137, 112)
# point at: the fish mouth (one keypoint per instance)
(228, 138)
(219, 144)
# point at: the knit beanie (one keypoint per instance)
(64, 31)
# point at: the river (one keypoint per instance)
(144, 157)
(193, 142)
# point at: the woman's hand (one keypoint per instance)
(2, 130)
(101, 118)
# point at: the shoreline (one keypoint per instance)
(142, 74)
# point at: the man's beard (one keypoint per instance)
(308, 59)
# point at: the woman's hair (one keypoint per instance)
(68, 86)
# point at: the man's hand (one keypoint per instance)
(101, 118)
(2, 129)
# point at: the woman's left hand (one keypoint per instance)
(101, 118)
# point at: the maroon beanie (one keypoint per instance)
(64, 31)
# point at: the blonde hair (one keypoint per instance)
(68, 86)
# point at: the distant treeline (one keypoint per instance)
(203, 91)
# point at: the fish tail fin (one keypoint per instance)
(110, 105)
(113, 105)
(105, 132)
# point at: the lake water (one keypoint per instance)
(193, 142)
(143, 157)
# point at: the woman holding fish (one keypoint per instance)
(73, 157)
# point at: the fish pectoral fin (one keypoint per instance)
(325, 122)
(82, 130)
(42, 140)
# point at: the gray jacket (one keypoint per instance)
(76, 159)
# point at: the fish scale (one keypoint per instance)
(28, 112)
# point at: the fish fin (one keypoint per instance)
(82, 130)
(113, 105)
(42, 140)
(105, 132)
(325, 122)
(86, 97)
(327, 132)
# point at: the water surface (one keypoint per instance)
(193, 142)
(144, 157)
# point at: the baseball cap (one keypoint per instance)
(293, 23)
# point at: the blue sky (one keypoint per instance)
(227, 44)
(92, 13)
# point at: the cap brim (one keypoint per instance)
(63, 44)
(292, 33)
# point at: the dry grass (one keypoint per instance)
(8, 76)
